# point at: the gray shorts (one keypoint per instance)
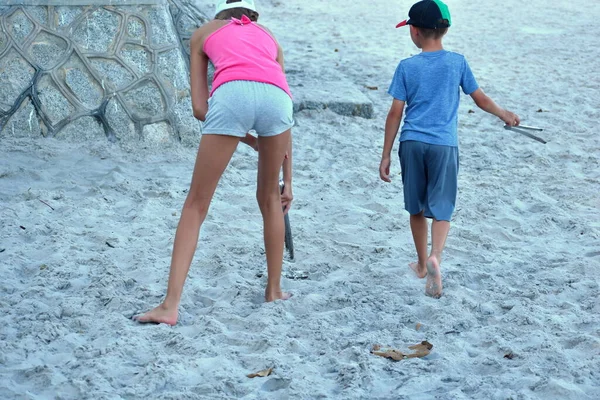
(238, 107)
(430, 178)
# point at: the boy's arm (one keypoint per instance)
(484, 102)
(392, 124)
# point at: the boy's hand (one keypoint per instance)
(384, 169)
(510, 118)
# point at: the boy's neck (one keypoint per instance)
(431, 45)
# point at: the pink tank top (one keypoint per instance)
(242, 50)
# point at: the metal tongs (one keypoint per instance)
(525, 130)
(289, 242)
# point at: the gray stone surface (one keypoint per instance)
(82, 129)
(97, 33)
(81, 2)
(186, 19)
(16, 74)
(3, 41)
(113, 74)
(161, 27)
(136, 28)
(158, 133)
(340, 97)
(48, 49)
(145, 101)
(184, 121)
(90, 66)
(137, 57)
(53, 102)
(19, 26)
(81, 83)
(118, 117)
(65, 15)
(39, 13)
(24, 122)
(172, 67)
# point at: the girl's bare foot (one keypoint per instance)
(433, 286)
(159, 315)
(420, 271)
(277, 296)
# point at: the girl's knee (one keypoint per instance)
(268, 199)
(197, 203)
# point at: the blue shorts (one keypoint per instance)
(430, 178)
(238, 107)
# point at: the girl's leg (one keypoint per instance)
(214, 154)
(271, 152)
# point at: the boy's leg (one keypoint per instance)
(271, 152)
(439, 233)
(419, 228)
(442, 181)
(214, 154)
(412, 164)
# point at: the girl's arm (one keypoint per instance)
(287, 196)
(199, 75)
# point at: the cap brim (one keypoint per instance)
(403, 23)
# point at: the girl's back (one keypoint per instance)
(243, 50)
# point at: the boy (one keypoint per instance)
(429, 84)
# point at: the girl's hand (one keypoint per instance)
(384, 169)
(251, 141)
(200, 112)
(286, 198)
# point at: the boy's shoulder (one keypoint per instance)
(417, 59)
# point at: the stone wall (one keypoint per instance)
(87, 68)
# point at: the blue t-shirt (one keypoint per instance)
(430, 85)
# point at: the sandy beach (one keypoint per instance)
(87, 228)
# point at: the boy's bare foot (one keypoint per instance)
(277, 296)
(420, 271)
(433, 286)
(158, 315)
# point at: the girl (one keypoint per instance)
(249, 92)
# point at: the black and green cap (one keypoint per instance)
(430, 14)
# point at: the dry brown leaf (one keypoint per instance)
(391, 353)
(262, 374)
(421, 350)
(372, 87)
(424, 345)
(419, 325)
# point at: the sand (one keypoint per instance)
(87, 231)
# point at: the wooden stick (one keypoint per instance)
(47, 204)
